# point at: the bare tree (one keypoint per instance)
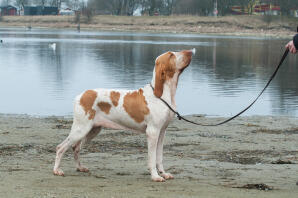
(43, 3)
(21, 3)
(169, 5)
(224, 6)
(5, 2)
(286, 5)
(115, 7)
(56, 3)
(74, 4)
(131, 6)
(249, 5)
(195, 7)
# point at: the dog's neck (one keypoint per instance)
(169, 89)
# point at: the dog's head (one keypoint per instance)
(168, 66)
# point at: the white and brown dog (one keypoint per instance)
(138, 110)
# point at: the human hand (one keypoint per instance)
(291, 47)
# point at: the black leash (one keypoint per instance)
(271, 78)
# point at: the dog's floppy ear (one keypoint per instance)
(160, 77)
(164, 70)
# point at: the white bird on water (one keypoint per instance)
(53, 46)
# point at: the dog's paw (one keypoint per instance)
(83, 169)
(167, 175)
(58, 172)
(158, 179)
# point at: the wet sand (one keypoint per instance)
(257, 151)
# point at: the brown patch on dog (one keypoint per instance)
(135, 105)
(115, 97)
(164, 70)
(105, 107)
(87, 101)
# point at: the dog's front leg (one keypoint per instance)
(152, 138)
(159, 156)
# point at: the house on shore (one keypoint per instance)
(40, 10)
(257, 9)
(8, 10)
(67, 11)
(294, 12)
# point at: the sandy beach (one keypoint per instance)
(253, 156)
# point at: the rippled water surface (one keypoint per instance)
(225, 75)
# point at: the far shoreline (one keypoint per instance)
(242, 26)
(236, 34)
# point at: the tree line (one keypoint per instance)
(73, 4)
(157, 7)
(188, 7)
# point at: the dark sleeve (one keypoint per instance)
(295, 40)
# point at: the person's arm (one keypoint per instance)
(293, 45)
(295, 41)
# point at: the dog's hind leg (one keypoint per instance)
(77, 146)
(78, 132)
(92, 134)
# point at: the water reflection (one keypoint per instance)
(224, 77)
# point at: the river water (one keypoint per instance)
(225, 75)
